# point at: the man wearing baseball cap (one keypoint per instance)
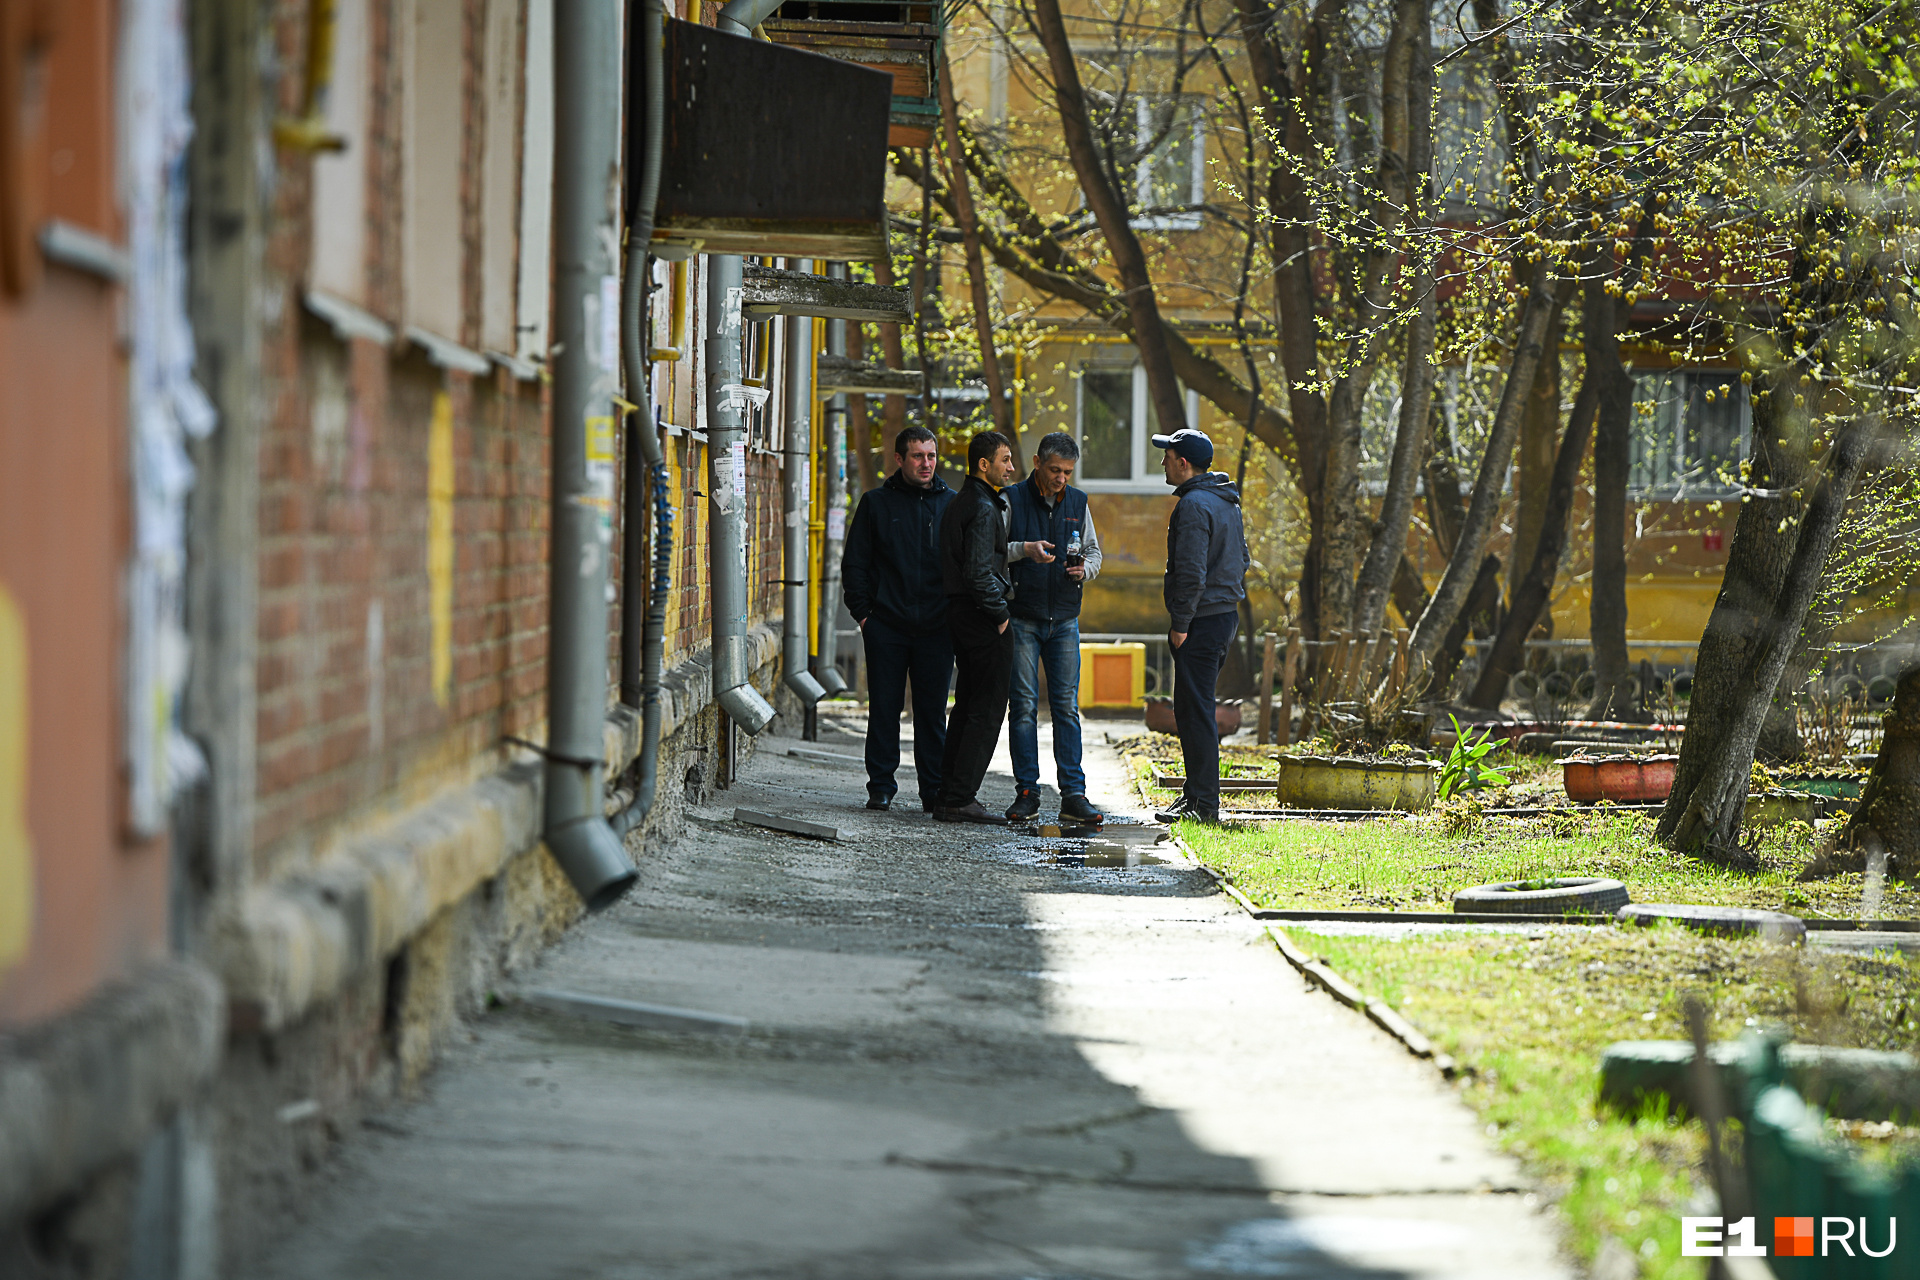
(1206, 580)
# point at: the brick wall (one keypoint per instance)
(350, 723)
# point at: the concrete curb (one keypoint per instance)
(299, 940)
(90, 1087)
(1322, 975)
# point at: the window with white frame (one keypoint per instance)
(1170, 134)
(1117, 424)
(1691, 429)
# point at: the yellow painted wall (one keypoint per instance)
(16, 850)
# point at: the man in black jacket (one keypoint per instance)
(973, 570)
(1206, 580)
(890, 573)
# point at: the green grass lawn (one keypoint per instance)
(1528, 1016)
(1417, 863)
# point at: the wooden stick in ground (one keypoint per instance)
(1710, 1106)
(1283, 734)
(1266, 692)
(1400, 639)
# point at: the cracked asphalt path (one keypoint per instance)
(971, 1054)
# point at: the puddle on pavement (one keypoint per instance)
(1098, 853)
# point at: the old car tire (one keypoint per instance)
(1776, 925)
(1575, 895)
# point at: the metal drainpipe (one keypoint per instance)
(642, 637)
(834, 468)
(585, 376)
(797, 504)
(727, 446)
(727, 400)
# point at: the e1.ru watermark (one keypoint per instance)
(1792, 1238)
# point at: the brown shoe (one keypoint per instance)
(972, 811)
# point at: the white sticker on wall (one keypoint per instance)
(609, 323)
(837, 523)
(740, 469)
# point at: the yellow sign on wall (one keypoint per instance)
(16, 852)
(440, 543)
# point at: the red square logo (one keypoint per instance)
(1793, 1237)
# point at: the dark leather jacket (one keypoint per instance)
(891, 567)
(973, 548)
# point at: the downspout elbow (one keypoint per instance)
(746, 708)
(804, 686)
(592, 856)
(740, 17)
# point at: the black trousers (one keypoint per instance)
(1196, 669)
(893, 655)
(983, 667)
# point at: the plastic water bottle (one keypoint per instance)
(1074, 554)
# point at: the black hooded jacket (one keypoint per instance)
(890, 568)
(1206, 550)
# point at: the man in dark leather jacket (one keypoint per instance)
(890, 573)
(973, 569)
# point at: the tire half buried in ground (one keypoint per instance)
(1573, 895)
(1776, 925)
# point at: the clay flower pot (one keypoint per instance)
(1226, 715)
(1619, 779)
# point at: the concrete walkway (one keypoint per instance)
(970, 1054)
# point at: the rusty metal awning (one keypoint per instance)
(770, 151)
(770, 292)
(858, 377)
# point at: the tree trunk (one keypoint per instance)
(1290, 119)
(962, 188)
(1710, 782)
(1110, 211)
(1409, 593)
(1530, 594)
(1544, 298)
(1780, 736)
(893, 409)
(859, 429)
(1534, 458)
(1028, 251)
(1389, 546)
(1383, 220)
(1888, 819)
(1479, 616)
(1445, 512)
(1612, 452)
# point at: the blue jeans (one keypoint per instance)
(1058, 645)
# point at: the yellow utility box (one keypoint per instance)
(1113, 675)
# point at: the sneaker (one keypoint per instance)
(1075, 808)
(971, 811)
(881, 803)
(1173, 812)
(1205, 817)
(1025, 805)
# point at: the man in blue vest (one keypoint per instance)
(890, 574)
(1053, 552)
